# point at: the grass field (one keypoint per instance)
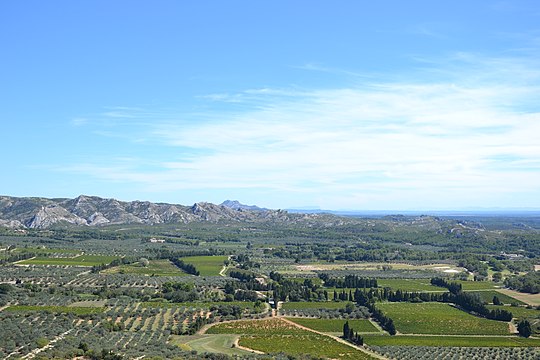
(409, 284)
(221, 344)
(82, 260)
(437, 318)
(478, 285)
(56, 309)
(454, 341)
(272, 326)
(314, 305)
(315, 345)
(336, 325)
(154, 268)
(487, 296)
(206, 265)
(529, 299)
(519, 312)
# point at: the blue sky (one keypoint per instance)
(406, 105)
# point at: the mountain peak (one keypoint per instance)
(237, 205)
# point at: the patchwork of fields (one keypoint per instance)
(139, 316)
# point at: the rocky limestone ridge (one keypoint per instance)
(41, 213)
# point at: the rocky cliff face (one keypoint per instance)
(40, 213)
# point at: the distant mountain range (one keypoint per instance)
(41, 213)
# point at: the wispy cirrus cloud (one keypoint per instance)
(465, 137)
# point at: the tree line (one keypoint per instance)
(351, 335)
(350, 281)
(188, 268)
(452, 286)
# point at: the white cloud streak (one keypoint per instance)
(472, 141)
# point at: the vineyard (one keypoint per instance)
(258, 327)
(265, 335)
(315, 345)
(457, 353)
(436, 318)
(450, 341)
(335, 325)
(207, 265)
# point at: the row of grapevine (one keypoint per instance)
(358, 313)
(457, 353)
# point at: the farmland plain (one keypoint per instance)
(159, 312)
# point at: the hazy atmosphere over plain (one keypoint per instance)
(342, 105)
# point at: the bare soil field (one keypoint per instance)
(529, 299)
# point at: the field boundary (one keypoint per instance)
(237, 345)
(225, 268)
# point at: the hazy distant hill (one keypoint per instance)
(236, 205)
(94, 211)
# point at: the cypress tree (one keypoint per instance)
(359, 339)
(524, 328)
(346, 330)
(390, 327)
